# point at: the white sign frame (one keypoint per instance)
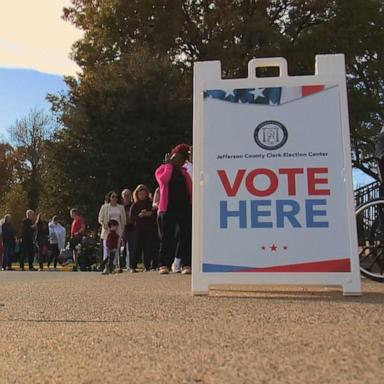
(329, 70)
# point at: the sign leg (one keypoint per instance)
(352, 288)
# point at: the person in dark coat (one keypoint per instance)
(8, 235)
(27, 240)
(144, 219)
(175, 209)
(129, 230)
(42, 239)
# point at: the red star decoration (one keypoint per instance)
(263, 247)
(273, 248)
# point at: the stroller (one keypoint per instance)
(66, 256)
(89, 254)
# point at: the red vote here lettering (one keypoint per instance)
(313, 181)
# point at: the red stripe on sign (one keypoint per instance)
(339, 265)
(310, 89)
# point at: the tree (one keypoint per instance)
(133, 99)
(15, 203)
(118, 130)
(356, 29)
(29, 135)
(6, 167)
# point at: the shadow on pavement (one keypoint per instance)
(62, 321)
(326, 296)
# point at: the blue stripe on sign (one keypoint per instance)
(222, 268)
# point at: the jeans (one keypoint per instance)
(8, 254)
(54, 255)
(129, 249)
(107, 254)
(144, 240)
(108, 262)
(105, 250)
(27, 252)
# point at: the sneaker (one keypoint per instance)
(21, 269)
(176, 266)
(105, 272)
(41, 269)
(186, 271)
(132, 270)
(74, 269)
(32, 269)
(119, 270)
(164, 271)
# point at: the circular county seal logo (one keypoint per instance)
(270, 135)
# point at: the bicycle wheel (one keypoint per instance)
(370, 234)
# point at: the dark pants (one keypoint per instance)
(73, 243)
(27, 253)
(155, 250)
(127, 255)
(54, 255)
(167, 222)
(144, 245)
(109, 261)
(43, 253)
(9, 249)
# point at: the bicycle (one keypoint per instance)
(370, 231)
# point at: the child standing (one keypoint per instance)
(112, 243)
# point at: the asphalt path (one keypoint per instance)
(64, 327)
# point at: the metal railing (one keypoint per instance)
(368, 192)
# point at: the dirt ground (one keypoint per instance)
(58, 327)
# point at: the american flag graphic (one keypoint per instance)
(265, 96)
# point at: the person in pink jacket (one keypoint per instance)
(175, 209)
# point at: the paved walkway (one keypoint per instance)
(146, 328)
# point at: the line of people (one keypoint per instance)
(157, 230)
(47, 237)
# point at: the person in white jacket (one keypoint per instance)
(56, 240)
(111, 210)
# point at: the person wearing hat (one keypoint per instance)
(175, 209)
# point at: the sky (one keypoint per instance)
(35, 44)
(22, 90)
(33, 35)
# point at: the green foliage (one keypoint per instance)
(15, 202)
(355, 28)
(6, 167)
(117, 132)
(29, 134)
(22, 166)
(133, 99)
